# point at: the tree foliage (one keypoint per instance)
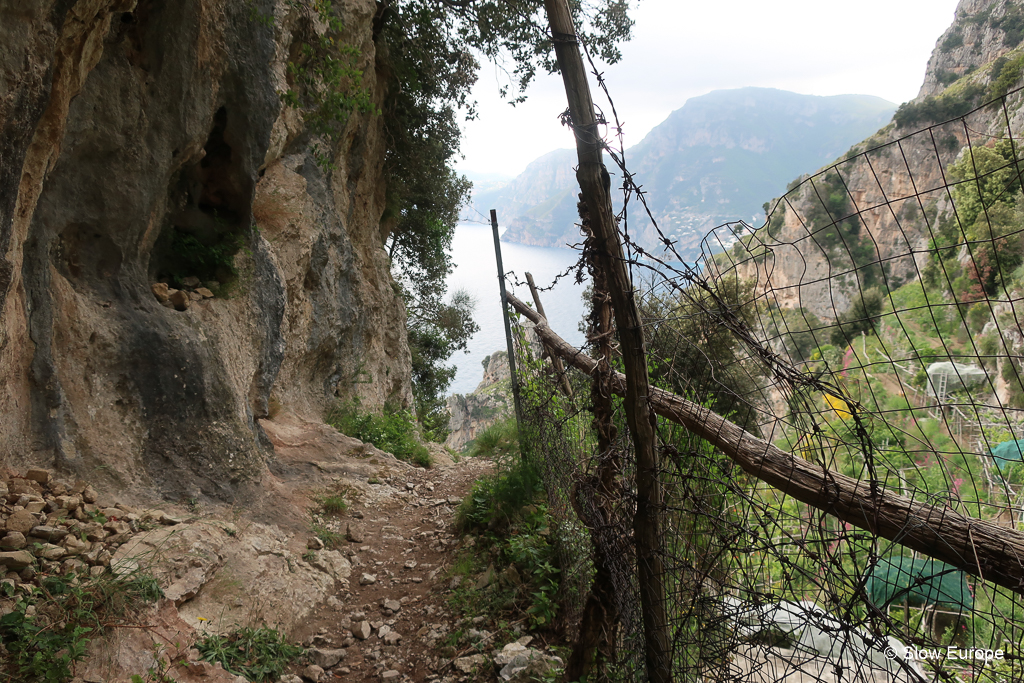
(688, 347)
(437, 329)
(986, 198)
(428, 60)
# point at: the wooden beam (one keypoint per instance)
(556, 362)
(979, 547)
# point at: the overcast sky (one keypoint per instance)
(684, 48)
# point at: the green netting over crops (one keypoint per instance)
(921, 582)
(1008, 452)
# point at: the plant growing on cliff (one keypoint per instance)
(324, 82)
(49, 629)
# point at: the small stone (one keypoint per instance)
(195, 296)
(410, 564)
(14, 540)
(508, 653)
(390, 675)
(68, 502)
(89, 495)
(392, 638)
(410, 486)
(469, 664)
(72, 565)
(74, 545)
(22, 521)
(375, 625)
(362, 630)
(315, 543)
(38, 475)
(382, 630)
(124, 568)
(49, 551)
(20, 486)
(312, 673)
(180, 300)
(204, 292)
(325, 659)
(35, 507)
(16, 560)
(191, 281)
(354, 535)
(485, 579)
(93, 531)
(96, 571)
(53, 534)
(117, 527)
(393, 605)
(161, 291)
(367, 579)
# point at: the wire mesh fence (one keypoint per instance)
(870, 329)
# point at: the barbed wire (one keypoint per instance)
(871, 327)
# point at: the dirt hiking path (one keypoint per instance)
(394, 610)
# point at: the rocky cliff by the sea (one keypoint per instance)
(714, 160)
(895, 182)
(491, 401)
(145, 149)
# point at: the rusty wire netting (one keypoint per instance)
(871, 328)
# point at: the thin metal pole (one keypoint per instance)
(504, 314)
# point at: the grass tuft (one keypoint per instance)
(257, 654)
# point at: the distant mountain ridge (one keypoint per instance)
(717, 159)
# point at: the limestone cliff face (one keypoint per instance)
(895, 179)
(982, 31)
(128, 127)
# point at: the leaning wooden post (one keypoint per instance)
(595, 186)
(556, 362)
(508, 326)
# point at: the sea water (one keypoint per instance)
(477, 272)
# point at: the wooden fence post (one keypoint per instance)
(596, 189)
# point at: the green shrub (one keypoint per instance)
(497, 500)
(1005, 74)
(938, 108)
(1012, 24)
(393, 432)
(499, 440)
(954, 40)
(258, 654)
(49, 629)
